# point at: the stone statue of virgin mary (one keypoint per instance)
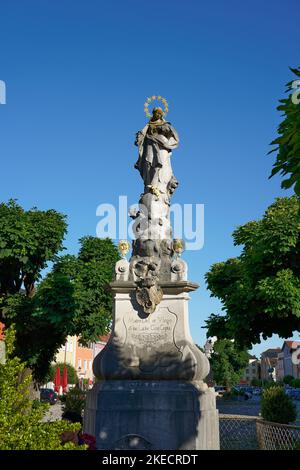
(156, 142)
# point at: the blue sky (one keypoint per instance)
(77, 75)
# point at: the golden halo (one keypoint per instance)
(159, 98)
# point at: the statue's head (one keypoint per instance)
(157, 114)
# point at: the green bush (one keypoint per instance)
(296, 383)
(20, 417)
(276, 406)
(288, 379)
(75, 400)
(256, 382)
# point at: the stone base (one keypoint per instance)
(152, 415)
(151, 347)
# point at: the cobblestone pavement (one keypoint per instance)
(249, 407)
(54, 413)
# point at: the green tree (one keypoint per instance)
(288, 142)
(260, 289)
(89, 273)
(227, 363)
(71, 299)
(42, 323)
(28, 241)
(21, 427)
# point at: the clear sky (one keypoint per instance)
(77, 74)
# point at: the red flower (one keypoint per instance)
(89, 440)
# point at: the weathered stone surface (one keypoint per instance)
(156, 346)
(151, 393)
(164, 415)
(122, 270)
(179, 270)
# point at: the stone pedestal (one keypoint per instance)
(157, 415)
(151, 393)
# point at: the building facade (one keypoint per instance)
(67, 352)
(268, 363)
(289, 360)
(252, 371)
(81, 357)
(280, 367)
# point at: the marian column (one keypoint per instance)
(151, 392)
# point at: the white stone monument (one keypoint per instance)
(151, 392)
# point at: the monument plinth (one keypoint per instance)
(151, 392)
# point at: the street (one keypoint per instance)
(249, 407)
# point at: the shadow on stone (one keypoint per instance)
(158, 415)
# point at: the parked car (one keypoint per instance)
(48, 395)
(220, 390)
(296, 394)
(243, 391)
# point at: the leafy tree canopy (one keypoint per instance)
(260, 289)
(228, 363)
(71, 299)
(28, 241)
(288, 142)
(89, 274)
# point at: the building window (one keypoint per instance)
(88, 346)
(85, 364)
(79, 363)
(90, 365)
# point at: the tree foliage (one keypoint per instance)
(260, 289)
(28, 241)
(288, 142)
(75, 401)
(89, 274)
(71, 299)
(21, 426)
(227, 363)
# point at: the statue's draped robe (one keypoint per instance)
(156, 142)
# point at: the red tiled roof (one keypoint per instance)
(291, 343)
(271, 352)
